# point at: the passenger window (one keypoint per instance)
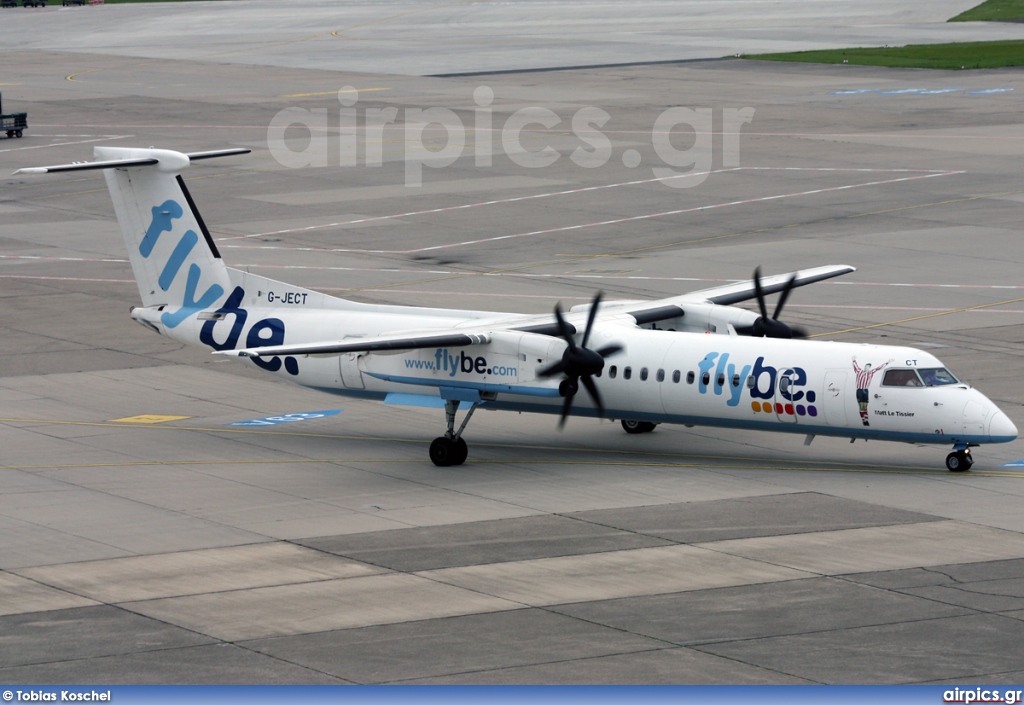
(675, 377)
(612, 371)
(690, 377)
(901, 378)
(735, 380)
(721, 380)
(627, 372)
(598, 373)
(643, 374)
(706, 378)
(783, 384)
(750, 382)
(661, 375)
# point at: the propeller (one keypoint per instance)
(579, 363)
(765, 327)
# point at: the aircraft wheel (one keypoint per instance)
(637, 426)
(442, 451)
(445, 452)
(461, 452)
(959, 462)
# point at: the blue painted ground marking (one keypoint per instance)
(1017, 464)
(900, 91)
(288, 418)
(855, 92)
(990, 90)
(937, 91)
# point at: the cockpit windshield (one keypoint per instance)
(937, 376)
(901, 378)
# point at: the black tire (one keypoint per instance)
(17, 133)
(637, 426)
(958, 462)
(461, 452)
(10, 134)
(443, 452)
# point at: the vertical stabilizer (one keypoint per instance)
(175, 261)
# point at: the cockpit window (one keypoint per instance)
(937, 376)
(901, 378)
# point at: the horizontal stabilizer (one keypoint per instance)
(87, 166)
(213, 154)
(168, 161)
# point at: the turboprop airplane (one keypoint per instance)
(693, 359)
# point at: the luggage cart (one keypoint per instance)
(13, 124)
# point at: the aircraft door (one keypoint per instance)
(975, 416)
(835, 398)
(785, 408)
(351, 376)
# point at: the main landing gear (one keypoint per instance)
(450, 449)
(637, 426)
(959, 460)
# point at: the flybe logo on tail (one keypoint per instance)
(164, 216)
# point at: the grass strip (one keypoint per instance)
(960, 55)
(993, 11)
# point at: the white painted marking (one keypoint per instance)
(466, 206)
(104, 138)
(551, 194)
(617, 221)
(523, 275)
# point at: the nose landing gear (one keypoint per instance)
(959, 460)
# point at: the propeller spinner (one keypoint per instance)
(579, 364)
(765, 327)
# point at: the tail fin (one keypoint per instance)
(176, 264)
(174, 268)
(175, 261)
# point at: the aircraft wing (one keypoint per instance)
(725, 295)
(640, 312)
(380, 344)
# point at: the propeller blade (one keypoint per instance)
(566, 406)
(590, 318)
(588, 382)
(553, 369)
(783, 296)
(609, 350)
(759, 292)
(563, 327)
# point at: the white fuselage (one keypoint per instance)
(795, 386)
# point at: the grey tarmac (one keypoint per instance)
(147, 539)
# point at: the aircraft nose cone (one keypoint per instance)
(1001, 427)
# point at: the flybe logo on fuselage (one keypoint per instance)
(446, 362)
(769, 390)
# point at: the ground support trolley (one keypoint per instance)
(13, 124)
